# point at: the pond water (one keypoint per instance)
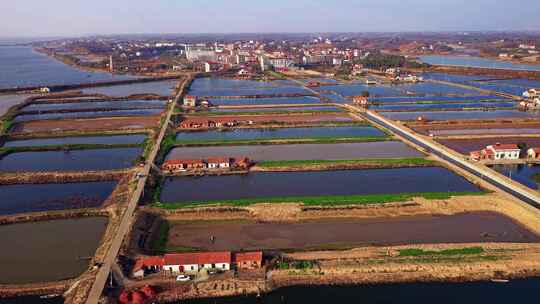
(314, 132)
(46, 197)
(32, 300)
(461, 115)
(427, 107)
(125, 104)
(476, 62)
(49, 250)
(286, 184)
(280, 109)
(163, 88)
(341, 151)
(247, 235)
(70, 160)
(22, 67)
(516, 291)
(90, 114)
(485, 131)
(78, 140)
(232, 87)
(8, 101)
(440, 99)
(263, 101)
(524, 174)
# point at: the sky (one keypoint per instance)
(35, 18)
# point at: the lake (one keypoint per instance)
(48, 250)
(70, 160)
(250, 134)
(339, 151)
(477, 62)
(47, 197)
(320, 183)
(23, 67)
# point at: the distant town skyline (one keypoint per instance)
(28, 18)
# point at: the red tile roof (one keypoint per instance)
(505, 147)
(197, 258)
(218, 160)
(147, 262)
(248, 257)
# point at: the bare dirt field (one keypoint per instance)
(465, 146)
(86, 124)
(239, 235)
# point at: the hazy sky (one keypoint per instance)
(82, 17)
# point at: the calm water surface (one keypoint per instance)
(76, 140)
(248, 134)
(523, 174)
(163, 88)
(70, 160)
(90, 114)
(22, 67)
(126, 104)
(45, 197)
(263, 101)
(458, 115)
(517, 291)
(385, 149)
(285, 184)
(477, 62)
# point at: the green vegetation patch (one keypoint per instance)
(414, 161)
(413, 252)
(159, 242)
(321, 200)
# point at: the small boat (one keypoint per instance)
(500, 280)
(49, 296)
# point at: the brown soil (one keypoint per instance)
(86, 124)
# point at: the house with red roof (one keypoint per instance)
(193, 262)
(248, 260)
(497, 152)
(533, 152)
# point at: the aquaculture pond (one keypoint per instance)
(232, 87)
(438, 99)
(493, 131)
(163, 88)
(460, 115)
(306, 184)
(78, 140)
(22, 67)
(49, 250)
(277, 109)
(476, 62)
(23, 198)
(348, 90)
(430, 106)
(346, 233)
(91, 105)
(524, 174)
(518, 291)
(89, 114)
(263, 101)
(70, 160)
(314, 132)
(340, 151)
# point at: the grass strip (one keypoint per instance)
(320, 200)
(159, 243)
(413, 252)
(418, 161)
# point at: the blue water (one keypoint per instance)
(249, 134)
(334, 98)
(455, 115)
(428, 88)
(477, 62)
(520, 173)
(264, 101)
(125, 104)
(427, 107)
(93, 114)
(357, 89)
(105, 140)
(47, 197)
(231, 87)
(70, 160)
(286, 184)
(21, 66)
(442, 99)
(247, 110)
(163, 88)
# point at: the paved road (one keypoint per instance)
(110, 258)
(500, 181)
